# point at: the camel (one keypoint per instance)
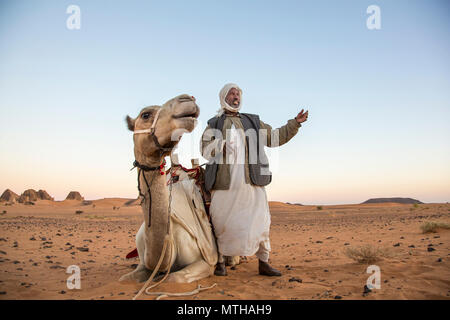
(193, 248)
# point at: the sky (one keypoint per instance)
(378, 99)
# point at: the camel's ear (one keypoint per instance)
(130, 122)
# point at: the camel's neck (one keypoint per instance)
(156, 199)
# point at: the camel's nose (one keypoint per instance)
(186, 98)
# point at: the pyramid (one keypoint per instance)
(9, 196)
(28, 196)
(74, 195)
(43, 195)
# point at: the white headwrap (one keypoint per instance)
(223, 104)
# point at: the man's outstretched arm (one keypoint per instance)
(278, 137)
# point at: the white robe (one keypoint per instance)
(240, 215)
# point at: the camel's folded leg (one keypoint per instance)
(141, 273)
(195, 271)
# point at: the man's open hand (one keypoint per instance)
(302, 117)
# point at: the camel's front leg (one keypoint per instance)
(192, 272)
(141, 273)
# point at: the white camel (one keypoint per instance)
(191, 249)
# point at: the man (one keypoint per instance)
(236, 174)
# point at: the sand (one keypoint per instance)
(38, 243)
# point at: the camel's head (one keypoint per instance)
(175, 117)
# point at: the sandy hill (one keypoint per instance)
(112, 202)
(297, 204)
(393, 200)
(9, 196)
(74, 195)
(277, 206)
(77, 200)
(132, 202)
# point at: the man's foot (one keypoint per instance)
(220, 270)
(266, 270)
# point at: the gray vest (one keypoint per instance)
(259, 171)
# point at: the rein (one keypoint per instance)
(143, 168)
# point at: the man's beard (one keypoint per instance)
(233, 105)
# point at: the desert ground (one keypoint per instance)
(38, 242)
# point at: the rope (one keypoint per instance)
(167, 273)
(180, 294)
(166, 241)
